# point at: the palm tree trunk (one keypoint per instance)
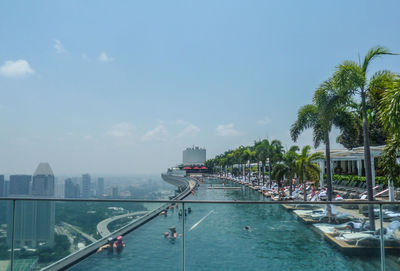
(304, 188)
(328, 167)
(263, 172)
(290, 185)
(367, 161)
(279, 188)
(269, 173)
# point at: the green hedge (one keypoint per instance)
(358, 179)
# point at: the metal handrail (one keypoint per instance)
(344, 202)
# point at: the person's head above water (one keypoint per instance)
(247, 227)
(110, 240)
(172, 229)
(119, 238)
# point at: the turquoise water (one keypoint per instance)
(215, 240)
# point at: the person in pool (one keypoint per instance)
(108, 247)
(247, 228)
(173, 232)
(119, 244)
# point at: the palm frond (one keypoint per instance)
(390, 107)
(374, 53)
(348, 77)
(379, 82)
(306, 118)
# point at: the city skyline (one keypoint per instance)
(87, 98)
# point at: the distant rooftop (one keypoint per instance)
(195, 148)
(44, 169)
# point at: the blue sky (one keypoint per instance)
(124, 86)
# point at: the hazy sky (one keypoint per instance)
(124, 86)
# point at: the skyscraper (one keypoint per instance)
(19, 184)
(43, 181)
(6, 188)
(2, 186)
(100, 187)
(71, 189)
(114, 192)
(85, 193)
(34, 220)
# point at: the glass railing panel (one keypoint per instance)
(280, 237)
(146, 247)
(6, 207)
(33, 234)
(47, 231)
(391, 236)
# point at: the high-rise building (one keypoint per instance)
(194, 156)
(100, 187)
(34, 220)
(19, 184)
(6, 188)
(71, 189)
(114, 192)
(1, 185)
(85, 193)
(43, 181)
(58, 188)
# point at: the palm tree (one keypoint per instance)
(275, 153)
(279, 171)
(289, 159)
(306, 167)
(352, 78)
(230, 160)
(237, 155)
(390, 117)
(252, 158)
(326, 111)
(262, 153)
(245, 156)
(271, 150)
(223, 164)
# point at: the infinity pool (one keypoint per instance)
(215, 239)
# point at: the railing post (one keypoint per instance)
(382, 238)
(12, 236)
(183, 236)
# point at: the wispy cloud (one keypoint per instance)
(119, 130)
(227, 130)
(264, 121)
(18, 68)
(103, 57)
(59, 47)
(159, 133)
(189, 130)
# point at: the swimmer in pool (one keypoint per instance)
(108, 247)
(119, 244)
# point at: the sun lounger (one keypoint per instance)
(361, 237)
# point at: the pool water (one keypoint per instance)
(215, 239)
